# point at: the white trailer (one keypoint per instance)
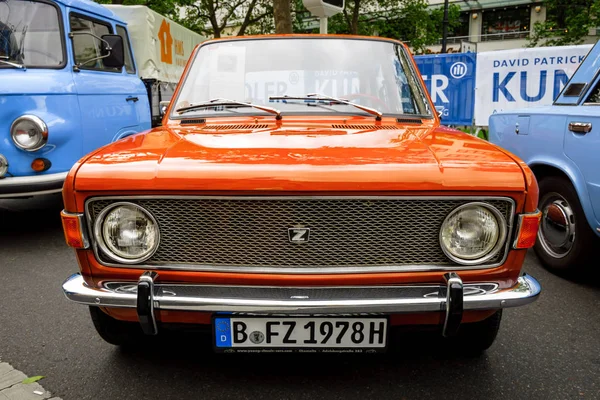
(161, 50)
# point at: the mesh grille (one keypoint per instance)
(351, 232)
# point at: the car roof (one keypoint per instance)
(92, 7)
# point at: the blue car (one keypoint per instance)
(561, 144)
(68, 85)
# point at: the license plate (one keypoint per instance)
(301, 334)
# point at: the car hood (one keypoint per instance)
(288, 157)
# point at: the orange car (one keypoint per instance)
(301, 195)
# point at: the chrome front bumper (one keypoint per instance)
(452, 296)
(34, 185)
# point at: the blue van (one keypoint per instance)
(68, 85)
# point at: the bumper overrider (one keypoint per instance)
(452, 297)
(35, 185)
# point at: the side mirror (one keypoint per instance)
(113, 51)
(162, 108)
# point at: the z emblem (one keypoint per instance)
(299, 235)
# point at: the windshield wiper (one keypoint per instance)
(218, 102)
(4, 59)
(333, 100)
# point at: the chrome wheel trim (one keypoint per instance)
(557, 227)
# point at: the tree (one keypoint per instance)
(567, 22)
(411, 21)
(167, 8)
(282, 13)
(213, 17)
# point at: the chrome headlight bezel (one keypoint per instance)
(500, 243)
(39, 124)
(99, 237)
(3, 166)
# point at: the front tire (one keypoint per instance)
(113, 331)
(565, 240)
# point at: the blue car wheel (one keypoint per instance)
(565, 242)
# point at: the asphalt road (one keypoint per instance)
(547, 350)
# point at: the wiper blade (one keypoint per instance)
(321, 97)
(218, 102)
(4, 59)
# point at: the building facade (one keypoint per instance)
(488, 25)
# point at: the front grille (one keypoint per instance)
(246, 233)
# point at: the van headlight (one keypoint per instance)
(127, 233)
(473, 233)
(3, 166)
(29, 133)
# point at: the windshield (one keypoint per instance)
(30, 34)
(373, 73)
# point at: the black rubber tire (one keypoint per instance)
(474, 338)
(115, 332)
(579, 257)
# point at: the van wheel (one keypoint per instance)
(565, 240)
(113, 331)
(474, 338)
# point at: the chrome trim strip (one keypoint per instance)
(82, 227)
(29, 194)
(316, 270)
(260, 299)
(33, 179)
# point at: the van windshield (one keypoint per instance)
(30, 34)
(371, 73)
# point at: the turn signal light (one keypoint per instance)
(527, 229)
(73, 227)
(41, 164)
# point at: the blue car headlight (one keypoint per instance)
(29, 133)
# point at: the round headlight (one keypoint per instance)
(473, 233)
(3, 166)
(29, 133)
(127, 233)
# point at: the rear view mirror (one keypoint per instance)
(113, 54)
(162, 108)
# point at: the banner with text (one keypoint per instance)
(450, 80)
(523, 78)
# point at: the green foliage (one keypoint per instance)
(567, 22)
(213, 17)
(167, 8)
(411, 21)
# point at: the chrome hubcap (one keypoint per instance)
(557, 228)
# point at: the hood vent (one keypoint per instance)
(409, 121)
(363, 127)
(193, 121)
(234, 127)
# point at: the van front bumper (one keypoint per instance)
(452, 297)
(28, 186)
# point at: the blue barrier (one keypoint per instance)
(450, 80)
